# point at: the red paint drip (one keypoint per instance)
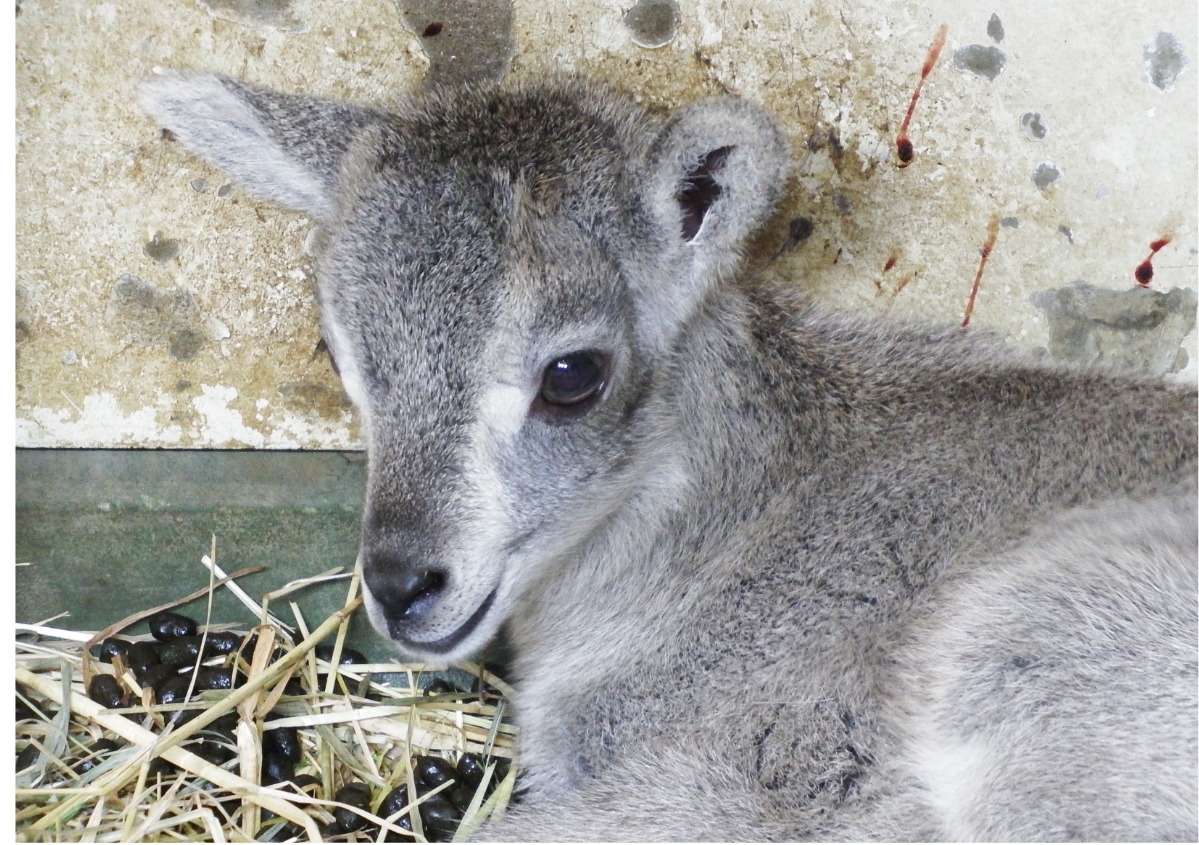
(903, 144)
(891, 260)
(1144, 271)
(988, 245)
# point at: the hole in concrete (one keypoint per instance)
(652, 23)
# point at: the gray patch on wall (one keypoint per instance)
(24, 327)
(1045, 174)
(146, 315)
(465, 42)
(1033, 125)
(995, 28)
(1164, 61)
(1139, 328)
(981, 60)
(161, 249)
(277, 14)
(311, 397)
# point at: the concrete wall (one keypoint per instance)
(158, 306)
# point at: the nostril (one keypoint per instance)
(404, 592)
(416, 590)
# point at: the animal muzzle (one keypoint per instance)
(413, 603)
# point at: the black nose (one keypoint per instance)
(405, 592)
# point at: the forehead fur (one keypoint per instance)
(568, 128)
(455, 190)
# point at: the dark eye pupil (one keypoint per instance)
(572, 379)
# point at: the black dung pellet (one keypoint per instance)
(356, 795)
(471, 770)
(24, 711)
(106, 691)
(307, 783)
(431, 772)
(460, 796)
(440, 818)
(394, 801)
(27, 757)
(276, 768)
(502, 767)
(440, 685)
(156, 676)
(225, 726)
(166, 625)
(282, 741)
(174, 691)
(221, 642)
(94, 755)
(160, 766)
(247, 650)
(349, 656)
(404, 823)
(181, 651)
(214, 752)
(139, 657)
(111, 647)
(182, 717)
(214, 677)
(288, 833)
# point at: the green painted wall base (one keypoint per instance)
(108, 533)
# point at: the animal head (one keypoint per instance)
(503, 274)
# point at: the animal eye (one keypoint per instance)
(573, 382)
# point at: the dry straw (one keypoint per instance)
(352, 728)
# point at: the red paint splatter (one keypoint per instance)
(891, 260)
(903, 144)
(1144, 271)
(988, 245)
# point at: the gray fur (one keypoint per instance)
(793, 575)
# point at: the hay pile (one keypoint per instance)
(353, 756)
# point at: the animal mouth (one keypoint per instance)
(451, 641)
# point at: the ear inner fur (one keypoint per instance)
(700, 190)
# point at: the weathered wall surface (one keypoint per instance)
(158, 306)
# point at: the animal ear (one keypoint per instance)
(718, 168)
(281, 147)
